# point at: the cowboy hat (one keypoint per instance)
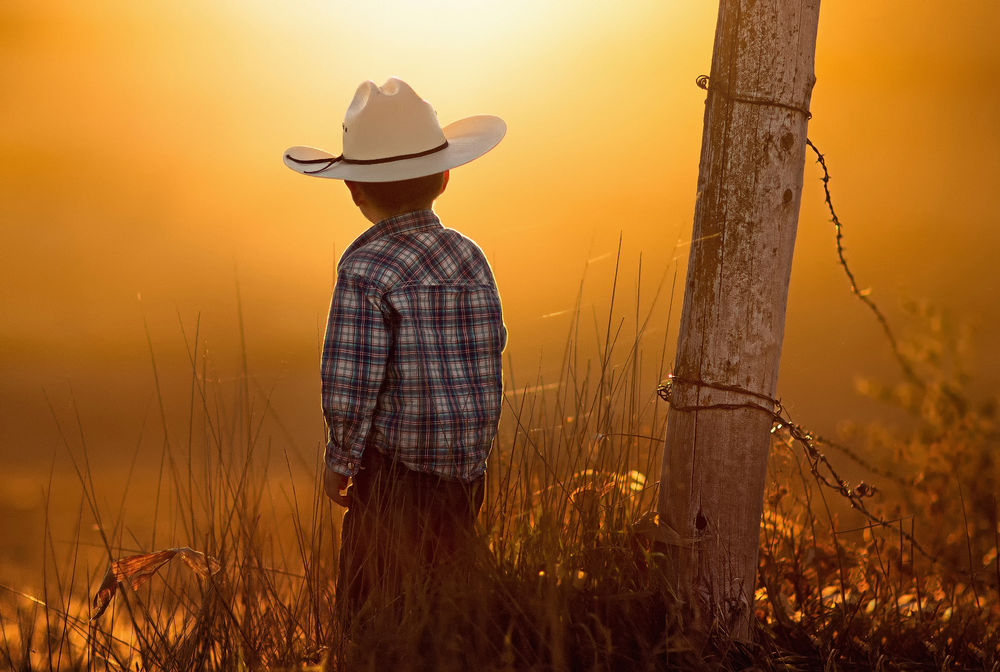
(391, 133)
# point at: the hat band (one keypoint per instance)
(361, 162)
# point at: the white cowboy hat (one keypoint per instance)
(391, 133)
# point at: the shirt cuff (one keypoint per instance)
(345, 464)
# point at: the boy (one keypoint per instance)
(411, 366)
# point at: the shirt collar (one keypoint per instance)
(416, 221)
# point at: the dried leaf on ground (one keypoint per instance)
(137, 569)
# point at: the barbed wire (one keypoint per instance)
(704, 82)
(781, 421)
(822, 470)
(862, 294)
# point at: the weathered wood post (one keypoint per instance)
(732, 324)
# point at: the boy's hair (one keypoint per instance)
(413, 194)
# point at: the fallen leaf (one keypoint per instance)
(138, 569)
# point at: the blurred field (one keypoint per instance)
(570, 573)
(145, 406)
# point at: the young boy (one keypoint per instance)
(411, 366)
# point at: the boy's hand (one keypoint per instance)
(335, 483)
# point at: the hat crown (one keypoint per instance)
(387, 121)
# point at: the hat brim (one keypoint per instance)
(468, 139)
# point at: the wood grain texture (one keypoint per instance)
(732, 324)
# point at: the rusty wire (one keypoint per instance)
(820, 466)
(862, 294)
(703, 82)
(781, 422)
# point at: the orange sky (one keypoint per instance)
(140, 150)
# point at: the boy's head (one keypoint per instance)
(395, 147)
(379, 200)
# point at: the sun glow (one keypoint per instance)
(419, 40)
(142, 153)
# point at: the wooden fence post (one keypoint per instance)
(732, 324)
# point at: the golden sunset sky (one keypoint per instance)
(141, 182)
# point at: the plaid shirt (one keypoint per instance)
(411, 362)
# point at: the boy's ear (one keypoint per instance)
(357, 192)
(444, 182)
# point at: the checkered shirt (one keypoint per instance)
(411, 363)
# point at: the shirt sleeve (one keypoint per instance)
(353, 366)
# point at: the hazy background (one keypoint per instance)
(141, 183)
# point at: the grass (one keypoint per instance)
(570, 576)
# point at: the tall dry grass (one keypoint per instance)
(571, 575)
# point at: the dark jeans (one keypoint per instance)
(401, 528)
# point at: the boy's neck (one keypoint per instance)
(375, 214)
